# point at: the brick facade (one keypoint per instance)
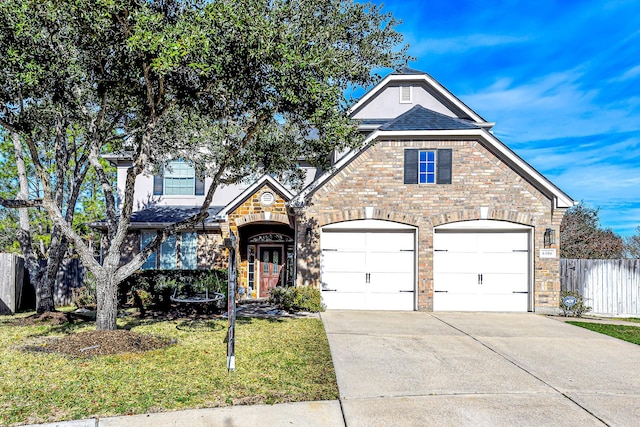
(480, 180)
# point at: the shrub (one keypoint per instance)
(576, 310)
(85, 297)
(299, 298)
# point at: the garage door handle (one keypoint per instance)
(441, 250)
(329, 290)
(479, 279)
(520, 292)
(406, 291)
(440, 291)
(521, 250)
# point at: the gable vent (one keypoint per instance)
(405, 94)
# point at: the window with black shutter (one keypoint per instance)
(427, 166)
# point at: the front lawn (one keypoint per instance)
(623, 332)
(277, 361)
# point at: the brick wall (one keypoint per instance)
(375, 179)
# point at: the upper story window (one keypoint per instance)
(427, 166)
(178, 178)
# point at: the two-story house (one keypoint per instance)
(432, 212)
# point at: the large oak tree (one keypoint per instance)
(233, 86)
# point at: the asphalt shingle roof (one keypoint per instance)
(407, 70)
(420, 118)
(157, 214)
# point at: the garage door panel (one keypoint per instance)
(343, 241)
(480, 302)
(504, 282)
(367, 270)
(390, 301)
(390, 262)
(391, 283)
(488, 242)
(343, 282)
(343, 301)
(511, 262)
(449, 262)
(384, 241)
(456, 282)
(481, 271)
(455, 242)
(334, 261)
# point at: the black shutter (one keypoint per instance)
(199, 187)
(411, 166)
(443, 169)
(157, 185)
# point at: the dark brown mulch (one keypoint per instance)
(100, 343)
(50, 318)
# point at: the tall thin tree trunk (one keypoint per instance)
(44, 290)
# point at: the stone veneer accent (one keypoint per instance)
(251, 211)
(480, 179)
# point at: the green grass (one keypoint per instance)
(623, 332)
(276, 361)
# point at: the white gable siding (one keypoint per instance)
(387, 103)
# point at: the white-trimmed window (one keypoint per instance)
(178, 178)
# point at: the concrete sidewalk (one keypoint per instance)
(480, 369)
(312, 414)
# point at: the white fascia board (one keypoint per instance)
(429, 81)
(562, 200)
(250, 190)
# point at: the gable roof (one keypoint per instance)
(420, 118)
(408, 74)
(264, 179)
(486, 138)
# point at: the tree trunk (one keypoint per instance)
(43, 286)
(107, 296)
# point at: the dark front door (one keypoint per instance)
(271, 263)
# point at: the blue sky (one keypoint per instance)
(561, 79)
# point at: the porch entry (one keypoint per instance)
(270, 267)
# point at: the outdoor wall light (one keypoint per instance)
(549, 237)
(308, 234)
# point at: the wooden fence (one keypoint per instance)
(17, 293)
(610, 286)
(11, 281)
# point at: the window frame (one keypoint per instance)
(427, 160)
(171, 252)
(173, 172)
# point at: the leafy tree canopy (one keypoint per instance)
(582, 237)
(233, 86)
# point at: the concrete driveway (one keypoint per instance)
(480, 369)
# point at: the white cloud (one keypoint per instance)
(456, 45)
(629, 74)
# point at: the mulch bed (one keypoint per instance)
(100, 343)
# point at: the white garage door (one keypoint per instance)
(368, 269)
(481, 270)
